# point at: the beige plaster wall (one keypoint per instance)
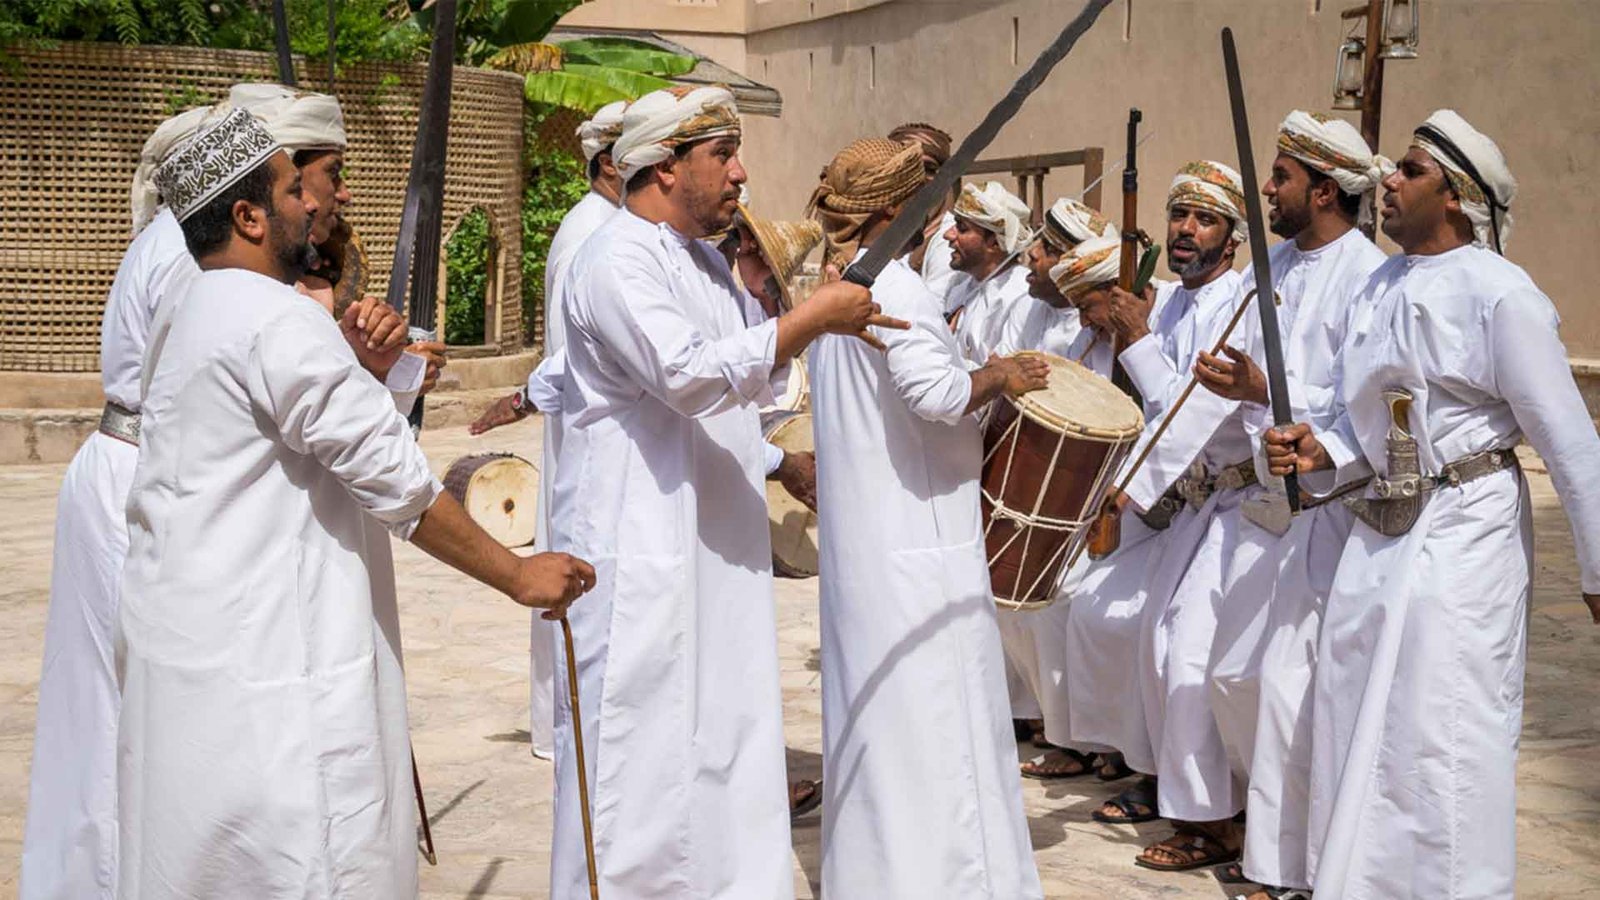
(1525, 72)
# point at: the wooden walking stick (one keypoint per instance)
(422, 810)
(583, 774)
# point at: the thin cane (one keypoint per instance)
(583, 777)
(422, 809)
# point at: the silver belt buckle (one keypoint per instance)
(120, 423)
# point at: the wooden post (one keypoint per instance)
(1094, 161)
(1372, 76)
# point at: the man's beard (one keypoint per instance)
(1288, 224)
(707, 211)
(294, 257)
(1205, 259)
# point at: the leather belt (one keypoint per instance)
(117, 421)
(1197, 485)
(1471, 468)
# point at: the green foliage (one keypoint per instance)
(622, 53)
(469, 255)
(556, 182)
(572, 90)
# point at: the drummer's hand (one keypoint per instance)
(1235, 378)
(433, 353)
(376, 333)
(552, 581)
(1294, 448)
(1129, 315)
(798, 475)
(1023, 373)
(500, 412)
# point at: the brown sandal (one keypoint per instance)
(1042, 769)
(1199, 850)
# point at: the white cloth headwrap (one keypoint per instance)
(1208, 184)
(1091, 263)
(230, 145)
(995, 209)
(1336, 149)
(1069, 222)
(298, 120)
(601, 131)
(1485, 198)
(659, 122)
(146, 198)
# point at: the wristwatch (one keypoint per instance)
(519, 400)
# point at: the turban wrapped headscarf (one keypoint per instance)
(1206, 184)
(995, 209)
(1336, 149)
(1068, 223)
(297, 120)
(866, 178)
(603, 130)
(146, 197)
(1088, 265)
(1477, 172)
(658, 123)
(934, 141)
(229, 146)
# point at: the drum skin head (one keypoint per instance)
(794, 527)
(1079, 401)
(500, 492)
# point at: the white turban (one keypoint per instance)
(1477, 171)
(603, 130)
(1090, 264)
(1068, 223)
(1336, 149)
(1207, 184)
(146, 198)
(661, 121)
(995, 209)
(298, 120)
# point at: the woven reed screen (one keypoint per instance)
(72, 123)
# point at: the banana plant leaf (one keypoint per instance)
(634, 56)
(571, 90)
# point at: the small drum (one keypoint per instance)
(1049, 457)
(796, 396)
(794, 526)
(500, 492)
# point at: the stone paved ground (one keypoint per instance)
(467, 662)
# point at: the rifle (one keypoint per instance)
(1105, 532)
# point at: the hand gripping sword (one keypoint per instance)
(1277, 377)
(914, 215)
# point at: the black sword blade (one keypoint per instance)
(280, 27)
(1277, 378)
(915, 213)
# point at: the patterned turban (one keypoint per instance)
(1477, 172)
(146, 197)
(995, 209)
(1211, 185)
(935, 141)
(603, 130)
(1088, 265)
(660, 122)
(1336, 149)
(1069, 223)
(297, 120)
(225, 150)
(866, 178)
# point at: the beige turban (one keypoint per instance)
(1336, 149)
(1069, 223)
(298, 120)
(997, 210)
(226, 149)
(603, 130)
(936, 141)
(661, 121)
(146, 198)
(866, 177)
(1206, 184)
(1477, 172)
(1088, 265)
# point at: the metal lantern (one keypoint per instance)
(1348, 74)
(1400, 26)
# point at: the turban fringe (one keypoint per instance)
(658, 123)
(866, 178)
(1210, 185)
(1088, 265)
(1334, 148)
(602, 131)
(996, 210)
(1477, 172)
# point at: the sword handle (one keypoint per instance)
(858, 275)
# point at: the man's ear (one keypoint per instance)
(1325, 194)
(250, 221)
(608, 166)
(666, 170)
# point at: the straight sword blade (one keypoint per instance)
(915, 213)
(280, 28)
(1277, 377)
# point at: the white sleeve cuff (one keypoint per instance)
(404, 381)
(774, 458)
